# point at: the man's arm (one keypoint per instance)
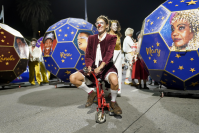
(89, 54)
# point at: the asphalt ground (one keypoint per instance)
(46, 109)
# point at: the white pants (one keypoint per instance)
(129, 57)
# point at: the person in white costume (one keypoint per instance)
(128, 48)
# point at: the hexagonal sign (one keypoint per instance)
(14, 54)
(64, 45)
(170, 44)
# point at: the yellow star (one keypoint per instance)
(172, 61)
(4, 36)
(192, 69)
(2, 32)
(191, 2)
(52, 65)
(82, 58)
(173, 71)
(60, 30)
(174, 81)
(55, 68)
(63, 61)
(83, 63)
(7, 43)
(165, 74)
(9, 52)
(45, 60)
(71, 58)
(148, 20)
(180, 67)
(2, 40)
(194, 83)
(149, 58)
(155, 61)
(72, 32)
(176, 5)
(65, 50)
(162, 82)
(65, 35)
(2, 55)
(163, 18)
(58, 34)
(182, 1)
(67, 79)
(152, 46)
(83, 22)
(77, 26)
(7, 63)
(158, 75)
(191, 59)
(158, 44)
(178, 56)
(152, 29)
(63, 39)
(67, 27)
(48, 65)
(170, 2)
(68, 72)
(151, 23)
(54, 27)
(158, 17)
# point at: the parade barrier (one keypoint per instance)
(170, 44)
(64, 45)
(14, 54)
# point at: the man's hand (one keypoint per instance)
(89, 70)
(97, 70)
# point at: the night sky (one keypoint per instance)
(130, 13)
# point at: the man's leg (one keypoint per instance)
(37, 72)
(78, 80)
(113, 80)
(31, 72)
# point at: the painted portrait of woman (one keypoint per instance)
(185, 30)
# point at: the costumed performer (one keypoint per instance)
(99, 55)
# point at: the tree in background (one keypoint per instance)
(34, 12)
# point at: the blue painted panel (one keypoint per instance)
(81, 63)
(57, 25)
(94, 30)
(185, 66)
(50, 65)
(80, 23)
(178, 5)
(154, 51)
(66, 55)
(155, 20)
(192, 83)
(64, 74)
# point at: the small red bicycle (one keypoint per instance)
(100, 116)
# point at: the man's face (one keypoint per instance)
(82, 41)
(47, 46)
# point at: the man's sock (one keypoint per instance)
(85, 88)
(113, 95)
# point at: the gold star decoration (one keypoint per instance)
(55, 68)
(7, 63)
(176, 5)
(77, 26)
(158, 75)
(170, 2)
(163, 18)
(82, 58)
(4, 36)
(9, 52)
(58, 34)
(194, 83)
(68, 72)
(165, 74)
(162, 82)
(158, 44)
(67, 27)
(191, 2)
(2, 40)
(83, 63)
(181, 67)
(172, 61)
(63, 39)
(178, 56)
(192, 69)
(67, 79)
(52, 65)
(182, 1)
(152, 29)
(48, 65)
(45, 60)
(151, 23)
(2, 55)
(148, 20)
(173, 71)
(7, 43)
(65, 50)
(2, 32)
(149, 58)
(155, 61)
(174, 81)
(71, 58)
(83, 22)
(54, 27)
(191, 59)
(65, 35)
(63, 61)
(60, 30)
(158, 17)
(152, 46)
(72, 32)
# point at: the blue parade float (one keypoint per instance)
(170, 44)
(62, 53)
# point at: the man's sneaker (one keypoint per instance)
(90, 99)
(116, 109)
